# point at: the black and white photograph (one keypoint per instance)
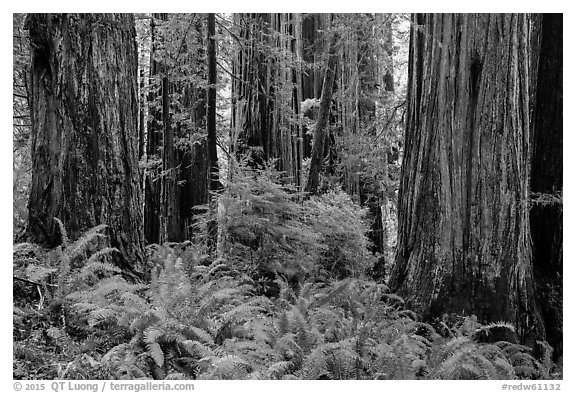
(287, 196)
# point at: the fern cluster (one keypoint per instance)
(197, 319)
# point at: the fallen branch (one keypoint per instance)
(33, 282)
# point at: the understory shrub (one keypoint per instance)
(272, 230)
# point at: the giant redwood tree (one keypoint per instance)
(84, 112)
(546, 179)
(464, 234)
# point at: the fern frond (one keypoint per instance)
(134, 302)
(230, 367)
(504, 368)
(314, 366)
(197, 349)
(494, 332)
(153, 334)
(94, 267)
(279, 369)
(409, 314)
(449, 368)
(289, 349)
(283, 323)
(101, 315)
(457, 343)
(25, 248)
(242, 312)
(97, 255)
(63, 233)
(202, 335)
(88, 237)
(154, 350)
(393, 299)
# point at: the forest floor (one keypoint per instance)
(196, 319)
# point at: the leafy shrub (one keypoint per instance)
(342, 228)
(269, 229)
(262, 227)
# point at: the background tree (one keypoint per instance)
(463, 241)
(20, 126)
(365, 129)
(212, 153)
(152, 184)
(321, 128)
(177, 161)
(214, 184)
(264, 109)
(546, 180)
(83, 101)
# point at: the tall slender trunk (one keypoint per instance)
(170, 228)
(152, 183)
(320, 131)
(211, 105)
(214, 183)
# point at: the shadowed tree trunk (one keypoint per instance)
(463, 239)
(152, 184)
(546, 180)
(211, 105)
(311, 49)
(177, 167)
(265, 92)
(191, 164)
(84, 107)
(213, 181)
(320, 132)
(251, 99)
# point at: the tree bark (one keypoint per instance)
(320, 131)
(170, 228)
(141, 118)
(546, 180)
(153, 184)
(194, 164)
(213, 182)
(84, 107)
(463, 239)
(311, 50)
(191, 165)
(177, 167)
(252, 103)
(263, 92)
(211, 105)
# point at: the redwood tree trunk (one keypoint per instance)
(546, 180)
(177, 167)
(251, 103)
(214, 183)
(170, 228)
(464, 241)
(84, 107)
(153, 184)
(264, 90)
(320, 131)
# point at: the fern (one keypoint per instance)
(63, 233)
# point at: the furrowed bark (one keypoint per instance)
(464, 240)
